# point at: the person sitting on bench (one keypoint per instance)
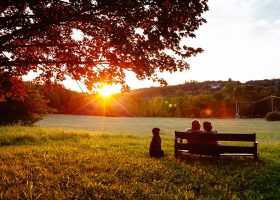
(207, 126)
(195, 129)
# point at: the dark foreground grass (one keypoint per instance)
(38, 163)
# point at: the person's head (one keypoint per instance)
(155, 131)
(207, 126)
(195, 125)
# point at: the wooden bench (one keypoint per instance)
(182, 146)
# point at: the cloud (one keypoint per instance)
(241, 41)
(266, 9)
(261, 16)
(265, 28)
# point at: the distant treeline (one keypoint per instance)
(192, 99)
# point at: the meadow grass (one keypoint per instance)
(58, 163)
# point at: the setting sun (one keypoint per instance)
(108, 90)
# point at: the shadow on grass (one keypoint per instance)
(227, 177)
(19, 140)
(35, 139)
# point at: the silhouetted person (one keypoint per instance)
(155, 146)
(207, 126)
(195, 129)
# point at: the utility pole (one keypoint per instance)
(236, 104)
(271, 98)
(236, 109)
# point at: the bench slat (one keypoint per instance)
(225, 154)
(218, 137)
(219, 148)
(236, 154)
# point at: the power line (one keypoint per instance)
(275, 97)
(271, 97)
(248, 102)
(79, 86)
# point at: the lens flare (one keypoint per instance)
(108, 90)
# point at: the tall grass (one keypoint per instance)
(17, 135)
(57, 163)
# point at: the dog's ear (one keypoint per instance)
(155, 129)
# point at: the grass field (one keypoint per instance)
(84, 157)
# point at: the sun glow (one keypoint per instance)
(108, 90)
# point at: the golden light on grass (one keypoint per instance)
(108, 90)
(31, 163)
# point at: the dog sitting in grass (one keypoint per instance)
(155, 146)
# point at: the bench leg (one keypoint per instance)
(256, 157)
(175, 149)
(176, 154)
(256, 151)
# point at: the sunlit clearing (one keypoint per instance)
(108, 90)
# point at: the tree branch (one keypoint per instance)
(37, 45)
(51, 62)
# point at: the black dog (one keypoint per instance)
(155, 147)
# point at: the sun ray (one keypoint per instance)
(127, 111)
(85, 105)
(105, 96)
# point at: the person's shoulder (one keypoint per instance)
(197, 131)
(200, 131)
(214, 131)
(188, 130)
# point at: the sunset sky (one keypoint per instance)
(241, 41)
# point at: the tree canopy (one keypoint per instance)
(114, 37)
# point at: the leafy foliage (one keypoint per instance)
(113, 37)
(24, 112)
(23, 109)
(272, 116)
(192, 99)
(10, 87)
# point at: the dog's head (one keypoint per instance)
(155, 131)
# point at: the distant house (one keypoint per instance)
(216, 86)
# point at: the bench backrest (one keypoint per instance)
(182, 142)
(250, 137)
